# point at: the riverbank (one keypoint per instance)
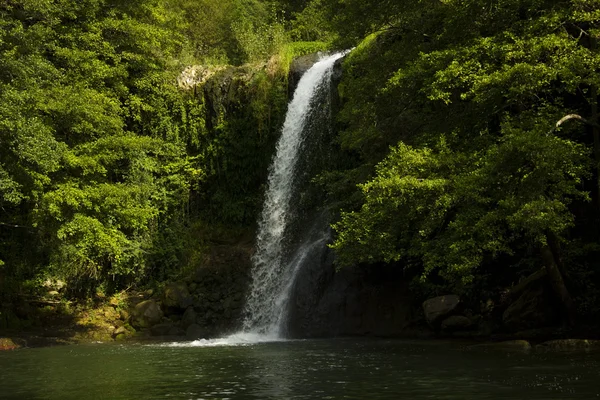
(116, 320)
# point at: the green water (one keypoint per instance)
(312, 369)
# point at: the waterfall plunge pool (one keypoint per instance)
(303, 369)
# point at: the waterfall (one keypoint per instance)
(274, 269)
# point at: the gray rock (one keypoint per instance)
(176, 295)
(195, 332)
(456, 323)
(438, 308)
(146, 314)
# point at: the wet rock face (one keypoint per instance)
(298, 67)
(353, 302)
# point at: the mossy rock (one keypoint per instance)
(146, 314)
(11, 344)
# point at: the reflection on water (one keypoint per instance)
(315, 369)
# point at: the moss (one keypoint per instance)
(281, 62)
(10, 344)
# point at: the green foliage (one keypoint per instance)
(105, 164)
(312, 24)
(78, 79)
(455, 121)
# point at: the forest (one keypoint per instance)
(467, 140)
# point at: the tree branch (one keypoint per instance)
(14, 225)
(575, 117)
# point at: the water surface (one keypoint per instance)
(311, 369)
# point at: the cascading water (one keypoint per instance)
(273, 272)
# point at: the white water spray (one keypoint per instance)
(272, 277)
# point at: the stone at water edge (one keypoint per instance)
(437, 308)
(11, 344)
(456, 323)
(146, 314)
(569, 345)
(121, 330)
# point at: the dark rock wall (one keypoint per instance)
(350, 302)
(219, 288)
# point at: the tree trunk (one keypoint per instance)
(558, 285)
(595, 130)
(596, 133)
(554, 244)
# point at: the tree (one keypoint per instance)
(477, 168)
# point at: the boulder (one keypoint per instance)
(176, 295)
(120, 331)
(146, 314)
(11, 344)
(568, 345)
(456, 323)
(195, 332)
(438, 308)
